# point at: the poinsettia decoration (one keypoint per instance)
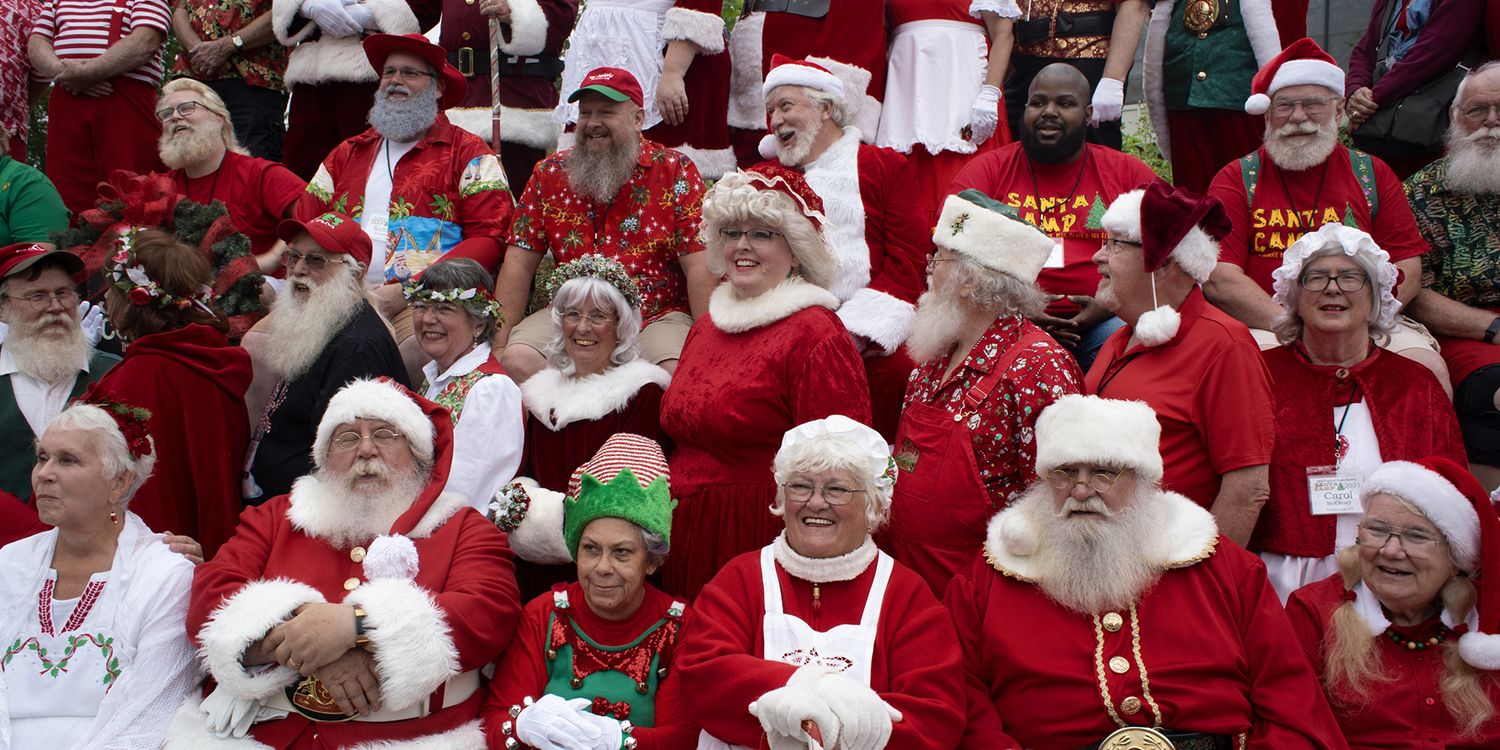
(130, 419)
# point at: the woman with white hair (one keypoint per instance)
(1404, 645)
(769, 355)
(819, 635)
(1343, 403)
(96, 650)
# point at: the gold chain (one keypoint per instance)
(1135, 646)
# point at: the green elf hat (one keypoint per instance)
(626, 479)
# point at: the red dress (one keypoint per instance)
(733, 396)
(193, 382)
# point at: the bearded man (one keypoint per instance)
(1107, 607)
(207, 164)
(614, 194)
(1299, 180)
(964, 444)
(358, 610)
(428, 189)
(320, 334)
(1457, 204)
(46, 359)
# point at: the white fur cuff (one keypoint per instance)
(1480, 650)
(243, 619)
(878, 317)
(539, 538)
(528, 29)
(410, 637)
(528, 127)
(467, 737)
(703, 29)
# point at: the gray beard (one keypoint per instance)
(297, 332)
(1093, 565)
(1474, 161)
(51, 357)
(1295, 157)
(366, 516)
(935, 329)
(600, 173)
(190, 148)
(403, 121)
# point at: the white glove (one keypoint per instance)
(91, 320)
(229, 715)
(865, 716)
(1109, 99)
(985, 116)
(782, 711)
(362, 15)
(330, 16)
(552, 723)
(611, 736)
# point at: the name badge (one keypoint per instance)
(1055, 258)
(1331, 493)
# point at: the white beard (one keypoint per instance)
(297, 332)
(1474, 161)
(794, 152)
(937, 325)
(1297, 157)
(1092, 565)
(192, 147)
(52, 356)
(363, 516)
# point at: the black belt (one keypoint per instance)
(1187, 741)
(1098, 23)
(474, 63)
(807, 8)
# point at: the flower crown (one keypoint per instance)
(477, 301)
(130, 419)
(605, 269)
(130, 277)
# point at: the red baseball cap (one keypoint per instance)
(380, 46)
(616, 83)
(17, 258)
(335, 233)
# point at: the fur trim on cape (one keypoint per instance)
(557, 399)
(834, 175)
(734, 315)
(335, 59)
(528, 30)
(703, 29)
(747, 106)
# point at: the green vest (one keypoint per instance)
(631, 673)
(18, 442)
(1211, 70)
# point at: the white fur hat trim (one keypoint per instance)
(992, 239)
(1091, 430)
(1438, 499)
(1354, 243)
(1297, 73)
(1196, 254)
(805, 75)
(374, 399)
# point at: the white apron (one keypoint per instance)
(844, 649)
(616, 34)
(936, 69)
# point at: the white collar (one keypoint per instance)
(460, 367)
(1368, 607)
(733, 314)
(845, 567)
(557, 398)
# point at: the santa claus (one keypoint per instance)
(1108, 609)
(359, 608)
(877, 225)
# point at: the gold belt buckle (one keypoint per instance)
(310, 698)
(466, 61)
(1200, 15)
(1136, 738)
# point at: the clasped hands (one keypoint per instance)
(319, 638)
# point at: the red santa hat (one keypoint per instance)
(1302, 62)
(788, 72)
(1453, 500)
(771, 175)
(1185, 228)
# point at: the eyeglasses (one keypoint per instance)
(574, 317)
(757, 236)
(1479, 112)
(1100, 480)
(1314, 106)
(1113, 245)
(1351, 281)
(350, 439)
(405, 74)
(43, 300)
(833, 494)
(186, 108)
(934, 260)
(1415, 542)
(315, 262)
(440, 309)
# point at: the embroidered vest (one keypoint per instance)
(620, 680)
(457, 390)
(1209, 69)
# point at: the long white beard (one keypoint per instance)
(297, 332)
(1092, 565)
(49, 357)
(365, 515)
(937, 325)
(1474, 161)
(600, 171)
(1295, 157)
(187, 149)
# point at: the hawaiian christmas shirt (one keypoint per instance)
(1002, 428)
(651, 222)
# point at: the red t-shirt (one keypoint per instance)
(257, 193)
(1211, 392)
(1063, 200)
(1290, 204)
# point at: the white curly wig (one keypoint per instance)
(1328, 240)
(737, 198)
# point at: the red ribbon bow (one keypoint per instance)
(603, 707)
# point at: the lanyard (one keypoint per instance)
(1037, 188)
(1318, 196)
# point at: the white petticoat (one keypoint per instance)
(616, 34)
(935, 71)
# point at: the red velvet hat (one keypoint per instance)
(380, 46)
(334, 232)
(17, 258)
(770, 175)
(1176, 212)
(615, 83)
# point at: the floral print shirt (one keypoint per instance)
(216, 19)
(1463, 230)
(1002, 428)
(651, 222)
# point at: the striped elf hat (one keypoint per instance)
(627, 479)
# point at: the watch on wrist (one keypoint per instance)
(361, 635)
(1489, 333)
(239, 42)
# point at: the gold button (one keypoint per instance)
(1130, 706)
(1202, 76)
(1113, 622)
(1203, 35)
(351, 584)
(357, 554)
(466, 36)
(1119, 665)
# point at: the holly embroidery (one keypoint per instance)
(52, 669)
(958, 224)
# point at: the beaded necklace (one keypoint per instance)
(1413, 644)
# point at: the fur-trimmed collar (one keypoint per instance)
(1372, 612)
(311, 514)
(735, 315)
(1190, 536)
(845, 567)
(557, 399)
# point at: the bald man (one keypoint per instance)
(1061, 183)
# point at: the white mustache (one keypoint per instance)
(1484, 133)
(1293, 128)
(1092, 504)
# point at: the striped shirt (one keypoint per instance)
(80, 29)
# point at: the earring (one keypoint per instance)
(114, 518)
